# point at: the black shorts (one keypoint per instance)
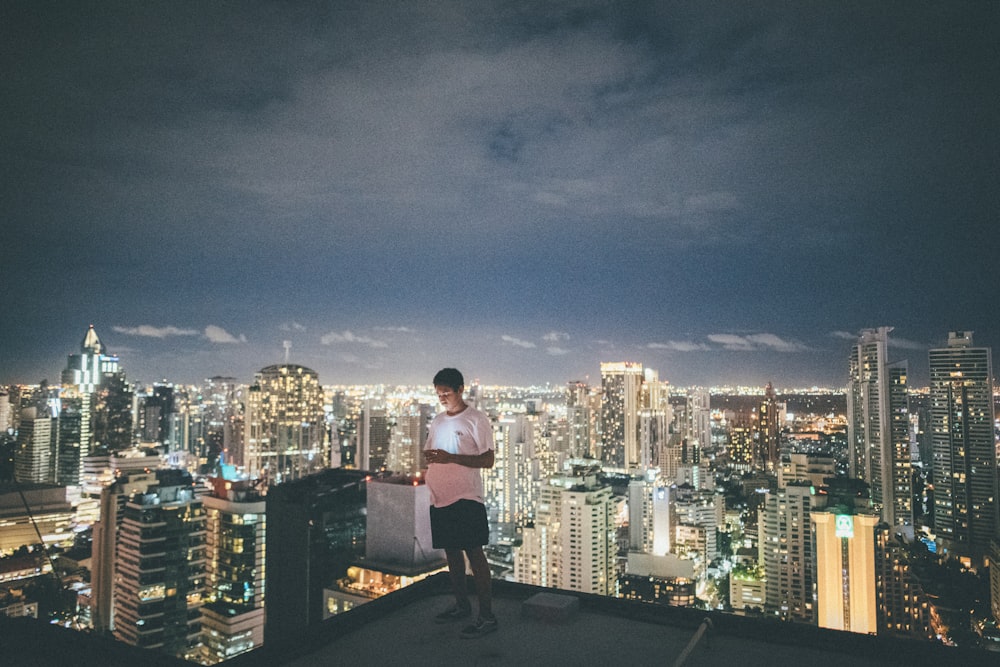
(461, 525)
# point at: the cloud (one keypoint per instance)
(556, 351)
(555, 336)
(763, 341)
(335, 337)
(844, 335)
(518, 342)
(679, 346)
(220, 335)
(395, 329)
(905, 344)
(150, 331)
(292, 326)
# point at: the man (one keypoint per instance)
(459, 445)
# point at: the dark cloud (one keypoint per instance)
(630, 172)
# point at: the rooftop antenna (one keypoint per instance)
(288, 346)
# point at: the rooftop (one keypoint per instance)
(398, 629)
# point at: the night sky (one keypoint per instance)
(727, 192)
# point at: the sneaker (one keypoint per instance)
(455, 613)
(482, 626)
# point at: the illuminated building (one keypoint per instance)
(621, 385)
(903, 605)
(769, 419)
(232, 618)
(965, 463)
(572, 542)
(285, 424)
(105, 540)
(159, 576)
(651, 516)
(579, 416)
(510, 484)
(845, 570)
(51, 515)
(741, 443)
(812, 468)
(878, 427)
(376, 428)
(786, 552)
(664, 580)
(33, 460)
(747, 587)
(698, 422)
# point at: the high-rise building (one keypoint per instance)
(878, 427)
(845, 569)
(572, 543)
(160, 568)
(510, 484)
(579, 416)
(621, 387)
(315, 532)
(285, 424)
(698, 421)
(232, 618)
(375, 436)
(33, 457)
(786, 552)
(903, 606)
(651, 516)
(113, 498)
(768, 455)
(965, 462)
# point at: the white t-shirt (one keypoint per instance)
(469, 432)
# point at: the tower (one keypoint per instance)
(579, 417)
(768, 432)
(877, 428)
(621, 386)
(232, 617)
(159, 580)
(786, 551)
(845, 570)
(965, 464)
(572, 542)
(33, 461)
(285, 424)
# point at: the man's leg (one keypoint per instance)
(456, 570)
(483, 580)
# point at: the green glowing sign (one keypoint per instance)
(845, 525)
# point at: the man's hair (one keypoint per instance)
(449, 377)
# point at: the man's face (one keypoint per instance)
(450, 398)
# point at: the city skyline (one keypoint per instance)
(521, 191)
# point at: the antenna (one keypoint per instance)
(287, 344)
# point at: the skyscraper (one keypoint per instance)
(845, 570)
(768, 432)
(159, 580)
(621, 386)
(33, 456)
(965, 463)
(572, 542)
(786, 551)
(579, 417)
(878, 435)
(285, 424)
(233, 614)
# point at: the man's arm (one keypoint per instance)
(484, 460)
